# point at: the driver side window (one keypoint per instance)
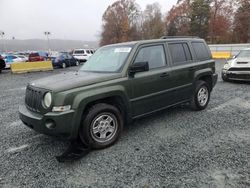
(154, 55)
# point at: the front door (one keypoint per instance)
(150, 88)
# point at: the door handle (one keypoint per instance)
(164, 75)
(191, 68)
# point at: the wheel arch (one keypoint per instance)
(205, 75)
(117, 98)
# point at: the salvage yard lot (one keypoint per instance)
(174, 148)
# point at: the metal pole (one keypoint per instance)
(4, 45)
(47, 33)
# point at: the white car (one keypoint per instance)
(82, 55)
(237, 68)
(24, 58)
(9, 59)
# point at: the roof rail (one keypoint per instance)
(173, 37)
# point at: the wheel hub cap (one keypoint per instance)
(203, 96)
(104, 127)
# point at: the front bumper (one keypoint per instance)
(63, 122)
(236, 75)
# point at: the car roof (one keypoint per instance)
(168, 39)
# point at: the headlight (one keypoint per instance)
(47, 100)
(226, 66)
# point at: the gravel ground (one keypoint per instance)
(174, 148)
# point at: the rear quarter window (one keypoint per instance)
(201, 51)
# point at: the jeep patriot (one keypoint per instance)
(119, 83)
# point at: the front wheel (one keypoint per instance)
(64, 65)
(201, 96)
(224, 78)
(101, 126)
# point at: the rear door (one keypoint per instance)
(150, 88)
(183, 68)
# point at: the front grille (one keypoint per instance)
(242, 62)
(239, 69)
(33, 98)
(239, 76)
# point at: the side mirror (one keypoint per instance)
(138, 67)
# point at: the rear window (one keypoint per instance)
(34, 54)
(180, 52)
(79, 52)
(201, 51)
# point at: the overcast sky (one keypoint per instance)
(65, 19)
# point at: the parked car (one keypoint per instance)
(119, 83)
(24, 58)
(38, 56)
(2, 63)
(82, 55)
(237, 68)
(9, 59)
(64, 60)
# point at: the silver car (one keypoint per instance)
(237, 68)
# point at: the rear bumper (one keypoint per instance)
(62, 122)
(236, 75)
(214, 79)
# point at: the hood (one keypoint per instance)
(240, 62)
(70, 80)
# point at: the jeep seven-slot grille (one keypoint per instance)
(33, 99)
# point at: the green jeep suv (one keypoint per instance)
(119, 83)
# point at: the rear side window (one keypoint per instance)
(79, 52)
(201, 51)
(180, 52)
(154, 55)
(34, 55)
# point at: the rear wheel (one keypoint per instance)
(201, 96)
(102, 126)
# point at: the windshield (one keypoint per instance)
(107, 59)
(244, 53)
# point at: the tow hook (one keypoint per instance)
(76, 150)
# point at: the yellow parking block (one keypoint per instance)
(221, 55)
(31, 66)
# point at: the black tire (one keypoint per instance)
(97, 111)
(225, 79)
(64, 65)
(196, 104)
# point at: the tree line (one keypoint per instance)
(217, 21)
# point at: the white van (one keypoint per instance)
(82, 55)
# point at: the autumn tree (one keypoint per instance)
(152, 24)
(177, 20)
(242, 22)
(221, 19)
(199, 15)
(120, 22)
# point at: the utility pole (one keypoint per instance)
(2, 36)
(47, 33)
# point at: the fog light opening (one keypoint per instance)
(50, 124)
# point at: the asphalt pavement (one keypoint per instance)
(173, 148)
